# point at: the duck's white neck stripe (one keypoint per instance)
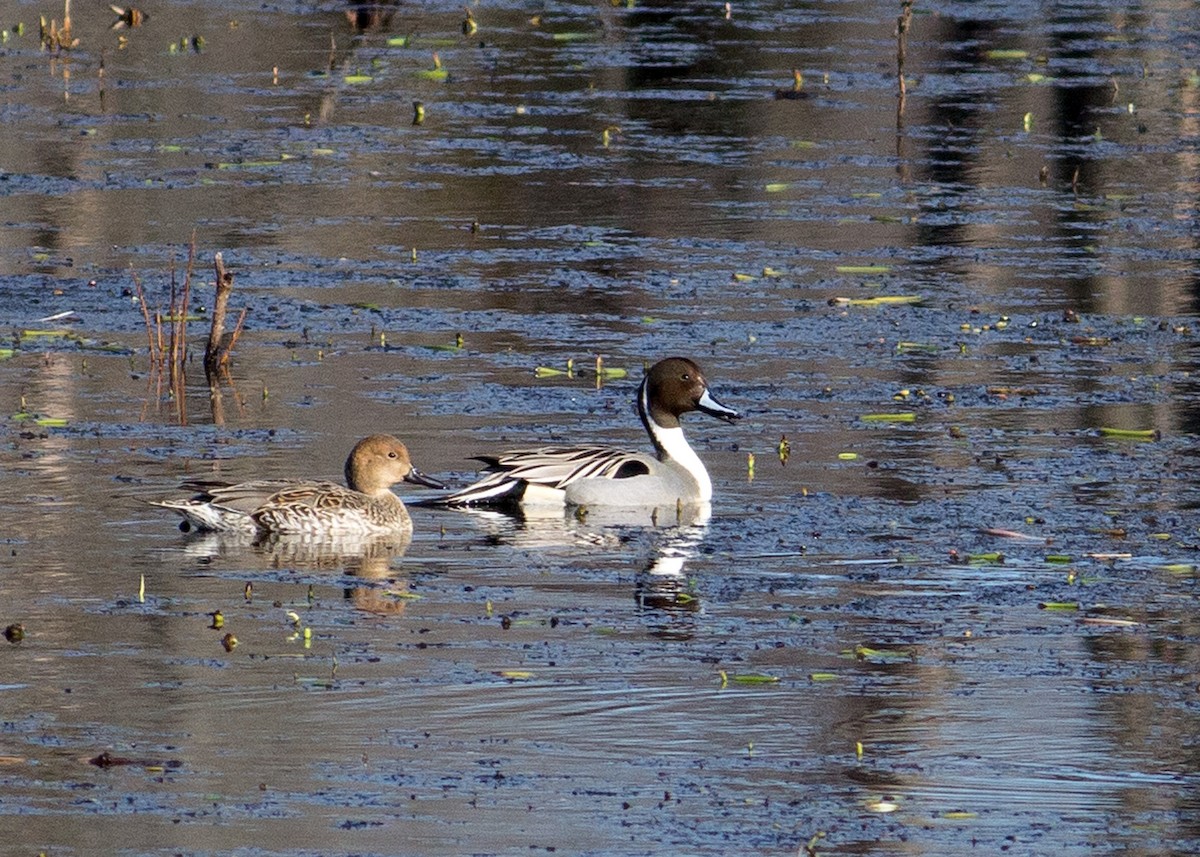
(673, 446)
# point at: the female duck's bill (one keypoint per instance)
(601, 476)
(364, 506)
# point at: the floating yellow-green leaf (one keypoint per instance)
(879, 300)
(1058, 558)
(847, 456)
(1007, 54)
(169, 147)
(886, 218)
(990, 557)
(908, 417)
(1131, 434)
(649, 319)
(614, 372)
(547, 372)
(777, 187)
(743, 278)
(397, 41)
(863, 269)
(771, 272)
(1027, 122)
(51, 421)
(754, 678)
(49, 334)
(6, 353)
(917, 346)
(1034, 77)
(803, 144)
(248, 165)
(959, 814)
(822, 676)
(1058, 605)
(1161, 537)
(882, 656)
(357, 78)
(438, 74)
(1179, 568)
(514, 674)
(572, 37)
(872, 194)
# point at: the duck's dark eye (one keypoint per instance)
(685, 376)
(391, 454)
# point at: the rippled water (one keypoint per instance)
(966, 629)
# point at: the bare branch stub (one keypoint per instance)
(216, 354)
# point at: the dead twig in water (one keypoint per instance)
(216, 355)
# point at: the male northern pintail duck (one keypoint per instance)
(364, 506)
(600, 476)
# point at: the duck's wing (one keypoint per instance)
(222, 506)
(554, 467)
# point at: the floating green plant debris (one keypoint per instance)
(548, 372)
(1058, 558)
(907, 417)
(357, 78)
(1034, 77)
(31, 333)
(777, 187)
(879, 300)
(397, 41)
(402, 594)
(746, 678)
(863, 269)
(877, 656)
(771, 272)
(573, 37)
(1179, 568)
(989, 558)
(754, 678)
(38, 419)
(438, 74)
(847, 456)
(514, 674)
(1131, 434)
(1007, 54)
(909, 347)
(743, 278)
(6, 353)
(250, 165)
(822, 676)
(1058, 605)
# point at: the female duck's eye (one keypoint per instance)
(685, 377)
(391, 455)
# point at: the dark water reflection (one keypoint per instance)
(994, 599)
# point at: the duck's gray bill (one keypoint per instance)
(713, 408)
(416, 477)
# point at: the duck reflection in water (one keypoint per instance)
(362, 558)
(662, 538)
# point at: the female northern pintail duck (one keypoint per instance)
(365, 506)
(600, 476)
